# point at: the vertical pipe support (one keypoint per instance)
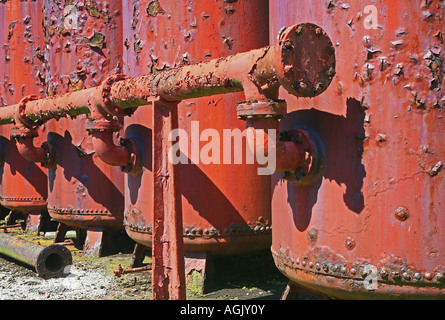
(168, 275)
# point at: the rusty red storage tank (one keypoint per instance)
(83, 47)
(372, 225)
(226, 207)
(23, 184)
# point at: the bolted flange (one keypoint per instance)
(134, 167)
(261, 109)
(312, 165)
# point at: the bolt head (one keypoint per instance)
(401, 213)
(384, 273)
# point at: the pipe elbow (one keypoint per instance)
(26, 148)
(24, 138)
(108, 151)
(263, 140)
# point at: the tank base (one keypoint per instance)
(37, 221)
(198, 271)
(198, 268)
(97, 239)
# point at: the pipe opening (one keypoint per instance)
(54, 262)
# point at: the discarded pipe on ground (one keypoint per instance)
(49, 261)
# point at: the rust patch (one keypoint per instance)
(154, 8)
(97, 40)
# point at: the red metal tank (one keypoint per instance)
(372, 224)
(23, 184)
(226, 207)
(83, 47)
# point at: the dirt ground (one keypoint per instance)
(235, 278)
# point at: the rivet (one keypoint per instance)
(440, 277)
(297, 261)
(417, 276)
(312, 235)
(303, 262)
(311, 264)
(401, 213)
(344, 270)
(317, 266)
(353, 271)
(406, 275)
(384, 273)
(428, 275)
(349, 243)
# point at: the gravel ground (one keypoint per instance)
(236, 278)
(79, 284)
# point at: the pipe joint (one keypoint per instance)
(124, 154)
(254, 109)
(134, 166)
(108, 106)
(24, 138)
(301, 158)
(25, 119)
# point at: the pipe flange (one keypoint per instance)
(313, 162)
(50, 160)
(300, 46)
(103, 125)
(23, 132)
(24, 119)
(108, 106)
(261, 109)
(134, 167)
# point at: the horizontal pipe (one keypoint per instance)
(49, 261)
(302, 61)
(217, 76)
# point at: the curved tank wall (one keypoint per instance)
(226, 207)
(83, 46)
(372, 225)
(23, 184)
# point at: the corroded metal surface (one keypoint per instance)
(23, 184)
(82, 48)
(371, 226)
(219, 215)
